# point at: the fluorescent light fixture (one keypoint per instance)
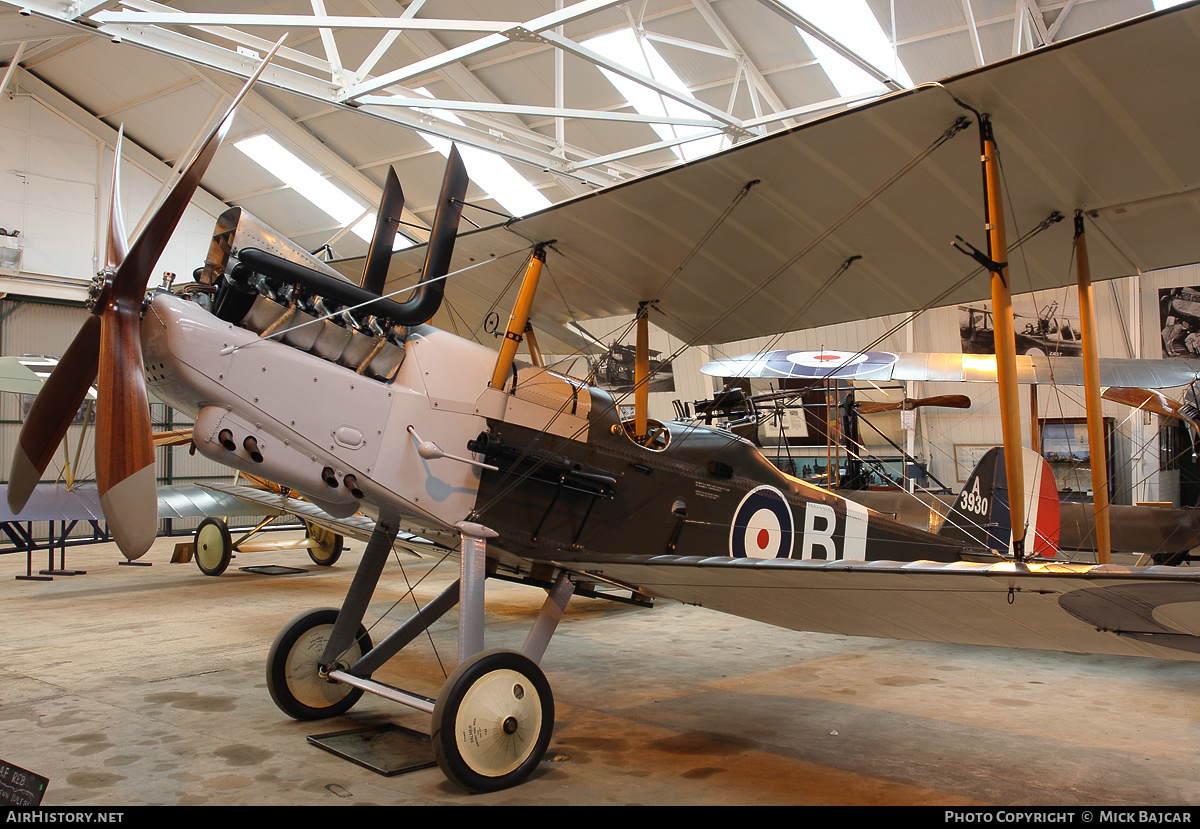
(497, 177)
(851, 23)
(624, 47)
(324, 194)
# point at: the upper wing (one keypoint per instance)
(1105, 123)
(975, 368)
(1153, 611)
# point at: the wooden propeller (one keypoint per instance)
(55, 406)
(1151, 401)
(124, 454)
(949, 401)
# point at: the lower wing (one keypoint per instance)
(1153, 611)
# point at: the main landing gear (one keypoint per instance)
(493, 717)
(214, 547)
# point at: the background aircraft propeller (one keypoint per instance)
(949, 401)
(1151, 401)
(109, 344)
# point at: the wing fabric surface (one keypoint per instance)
(1036, 369)
(1152, 611)
(1102, 123)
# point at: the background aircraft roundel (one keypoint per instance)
(817, 365)
(762, 526)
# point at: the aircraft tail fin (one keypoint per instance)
(980, 514)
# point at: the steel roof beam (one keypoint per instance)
(758, 82)
(300, 21)
(539, 111)
(483, 44)
(834, 44)
(573, 48)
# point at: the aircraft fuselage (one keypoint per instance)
(570, 483)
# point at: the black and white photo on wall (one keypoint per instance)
(1049, 327)
(1179, 318)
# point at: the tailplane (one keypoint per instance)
(980, 514)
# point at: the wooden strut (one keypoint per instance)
(520, 317)
(1092, 392)
(1004, 335)
(641, 375)
(535, 353)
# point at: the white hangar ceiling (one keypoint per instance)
(533, 87)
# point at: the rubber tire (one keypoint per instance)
(329, 541)
(214, 545)
(492, 675)
(300, 692)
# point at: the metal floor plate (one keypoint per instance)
(386, 749)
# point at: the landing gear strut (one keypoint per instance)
(493, 718)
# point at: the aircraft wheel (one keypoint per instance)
(328, 547)
(213, 547)
(492, 721)
(297, 684)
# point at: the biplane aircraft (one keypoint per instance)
(358, 400)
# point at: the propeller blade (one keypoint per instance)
(131, 278)
(1149, 400)
(55, 406)
(125, 469)
(387, 221)
(949, 401)
(52, 412)
(117, 243)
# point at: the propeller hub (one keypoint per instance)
(98, 291)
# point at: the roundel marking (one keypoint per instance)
(762, 525)
(826, 358)
(826, 363)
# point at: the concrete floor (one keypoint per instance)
(146, 685)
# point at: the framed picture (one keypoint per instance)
(1065, 446)
(966, 457)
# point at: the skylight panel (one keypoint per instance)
(497, 177)
(851, 23)
(324, 194)
(624, 47)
